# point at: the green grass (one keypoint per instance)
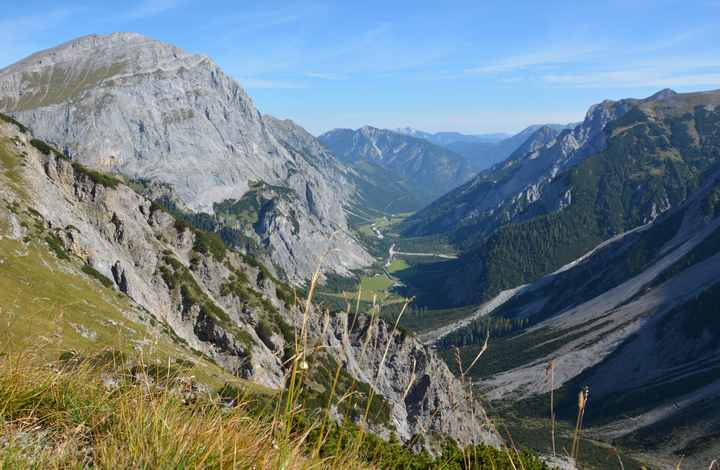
(375, 283)
(94, 273)
(55, 85)
(60, 414)
(397, 265)
(11, 166)
(45, 303)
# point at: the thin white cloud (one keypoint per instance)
(260, 83)
(661, 76)
(534, 59)
(325, 76)
(633, 80)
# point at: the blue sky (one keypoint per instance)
(470, 66)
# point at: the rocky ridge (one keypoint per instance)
(629, 162)
(219, 303)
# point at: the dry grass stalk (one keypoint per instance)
(550, 370)
(583, 396)
(411, 382)
(463, 373)
(622, 467)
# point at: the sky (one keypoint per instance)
(476, 66)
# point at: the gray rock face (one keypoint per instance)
(154, 261)
(425, 396)
(129, 104)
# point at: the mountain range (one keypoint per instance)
(628, 162)
(426, 170)
(445, 138)
(635, 318)
(595, 254)
(142, 195)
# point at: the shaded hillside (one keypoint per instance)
(535, 213)
(636, 320)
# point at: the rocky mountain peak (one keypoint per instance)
(129, 104)
(662, 95)
(370, 131)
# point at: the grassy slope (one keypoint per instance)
(50, 301)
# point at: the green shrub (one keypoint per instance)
(209, 243)
(47, 149)
(10, 120)
(177, 276)
(92, 272)
(56, 246)
(97, 177)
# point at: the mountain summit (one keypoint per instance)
(129, 104)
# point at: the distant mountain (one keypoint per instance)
(129, 104)
(445, 138)
(627, 163)
(424, 170)
(485, 154)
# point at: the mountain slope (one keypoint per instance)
(628, 162)
(60, 221)
(425, 169)
(129, 104)
(636, 320)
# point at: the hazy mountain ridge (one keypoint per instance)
(425, 169)
(486, 154)
(130, 104)
(445, 138)
(482, 150)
